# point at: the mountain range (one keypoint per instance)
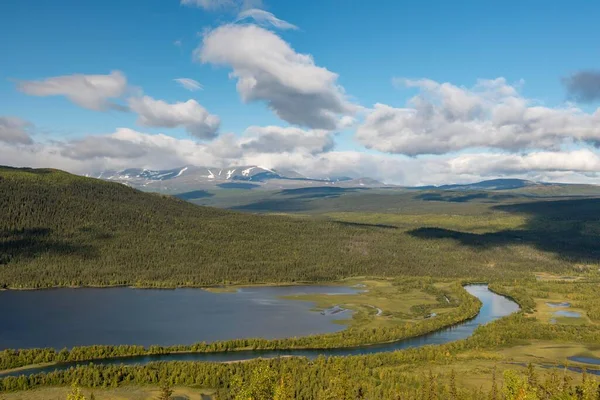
(190, 177)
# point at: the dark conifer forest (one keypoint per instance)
(58, 229)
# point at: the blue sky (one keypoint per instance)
(533, 45)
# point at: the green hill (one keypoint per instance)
(61, 229)
(58, 229)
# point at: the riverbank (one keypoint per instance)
(359, 333)
(217, 288)
(430, 332)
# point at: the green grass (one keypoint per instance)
(399, 304)
(485, 223)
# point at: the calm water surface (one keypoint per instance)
(571, 314)
(61, 318)
(494, 307)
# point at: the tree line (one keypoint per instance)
(322, 379)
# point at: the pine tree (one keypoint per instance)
(75, 393)
(494, 391)
(165, 391)
(285, 390)
(453, 390)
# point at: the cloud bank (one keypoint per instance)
(126, 148)
(444, 118)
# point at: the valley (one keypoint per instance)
(404, 253)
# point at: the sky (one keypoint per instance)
(410, 93)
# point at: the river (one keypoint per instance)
(493, 307)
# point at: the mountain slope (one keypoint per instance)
(61, 229)
(492, 184)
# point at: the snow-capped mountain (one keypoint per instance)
(193, 177)
(208, 173)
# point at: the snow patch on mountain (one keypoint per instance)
(247, 171)
(181, 172)
(193, 177)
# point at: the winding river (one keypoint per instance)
(493, 307)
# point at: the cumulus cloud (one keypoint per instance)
(128, 148)
(272, 140)
(189, 84)
(485, 164)
(196, 120)
(103, 147)
(583, 86)
(275, 139)
(268, 69)
(226, 148)
(124, 148)
(266, 18)
(88, 91)
(14, 131)
(443, 118)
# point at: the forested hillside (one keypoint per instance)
(61, 229)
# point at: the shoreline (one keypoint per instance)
(4, 373)
(215, 288)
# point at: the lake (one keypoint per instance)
(493, 307)
(61, 318)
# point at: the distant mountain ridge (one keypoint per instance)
(520, 186)
(493, 184)
(192, 177)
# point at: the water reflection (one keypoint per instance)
(61, 318)
(494, 307)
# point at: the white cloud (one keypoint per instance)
(275, 139)
(192, 116)
(263, 17)
(107, 146)
(272, 140)
(189, 84)
(444, 118)
(484, 164)
(268, 69)
(88, 91)
(14, 130)
(226, 147)
(127, 148)
(220, 5)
